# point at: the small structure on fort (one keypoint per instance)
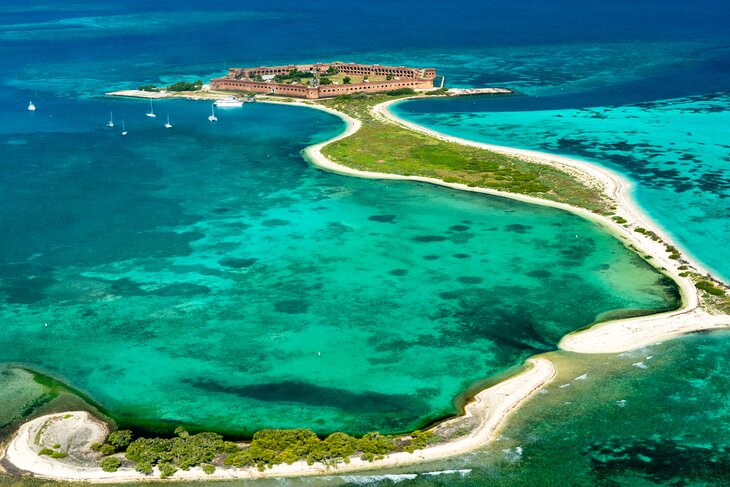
(323, 80)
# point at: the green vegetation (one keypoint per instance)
(437, 92)
(295, 76)
(272, 447)
(185, 86)
(58, 454)
(147, 88)
(120, 439)
(266, 449)
(56, 446)
(110, 464)
(325, 81)
(401, 92)
(709, 288)
(382, 146)
(419, 441)
(673, 252)
(332, 70)
(181, 452)
(107, 449)
(619, 219)
(346, 80)
(45, 451)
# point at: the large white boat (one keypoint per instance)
(31, 107)
(229, 102)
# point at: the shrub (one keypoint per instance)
(167, 470)
(374, 445)
(185, 86)
(619, 219)
(120, 439)
(57, 446)
(208, 469)
(346, 80)
(710, 288)
(45, 451)
(58, 454)
(401, 91)
(147, 88)
(144, 467)
(438, 91)
(107, 449)
(110, 464)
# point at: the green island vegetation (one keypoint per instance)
(186, 86)
(267, 448)
(175, 87)
(383, 146)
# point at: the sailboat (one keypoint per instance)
(110, 123)
(212, 116)
(124, 130)
(168, 125)
(31, 107)
(152, 111)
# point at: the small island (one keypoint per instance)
(378, 145)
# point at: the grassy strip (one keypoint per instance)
(382, 146)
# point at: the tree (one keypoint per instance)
(346, 80)
(120, 439)
(388, 77)
(332, 70)
(110, 464)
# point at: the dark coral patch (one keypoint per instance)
(292, 306)
(540, 274)
(517, 228)
(275, 223)
(458, 228)
(382, 218)
(237, 263)
(462, 256)
(470, 280)
(398, 272)
(429, 238)
(430, 257)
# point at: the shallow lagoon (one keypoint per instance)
(207, 275)
(676, 150)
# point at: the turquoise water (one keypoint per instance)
(207, 275)
(676, 150)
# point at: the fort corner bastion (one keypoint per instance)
(322, 80)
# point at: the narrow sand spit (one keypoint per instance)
(79, 430)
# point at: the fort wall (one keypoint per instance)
(241, 79)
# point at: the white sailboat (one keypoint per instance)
(31, 107)
(110, 123)
(168, 125)
(212, 116)
(151, 113)
(124, 129)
